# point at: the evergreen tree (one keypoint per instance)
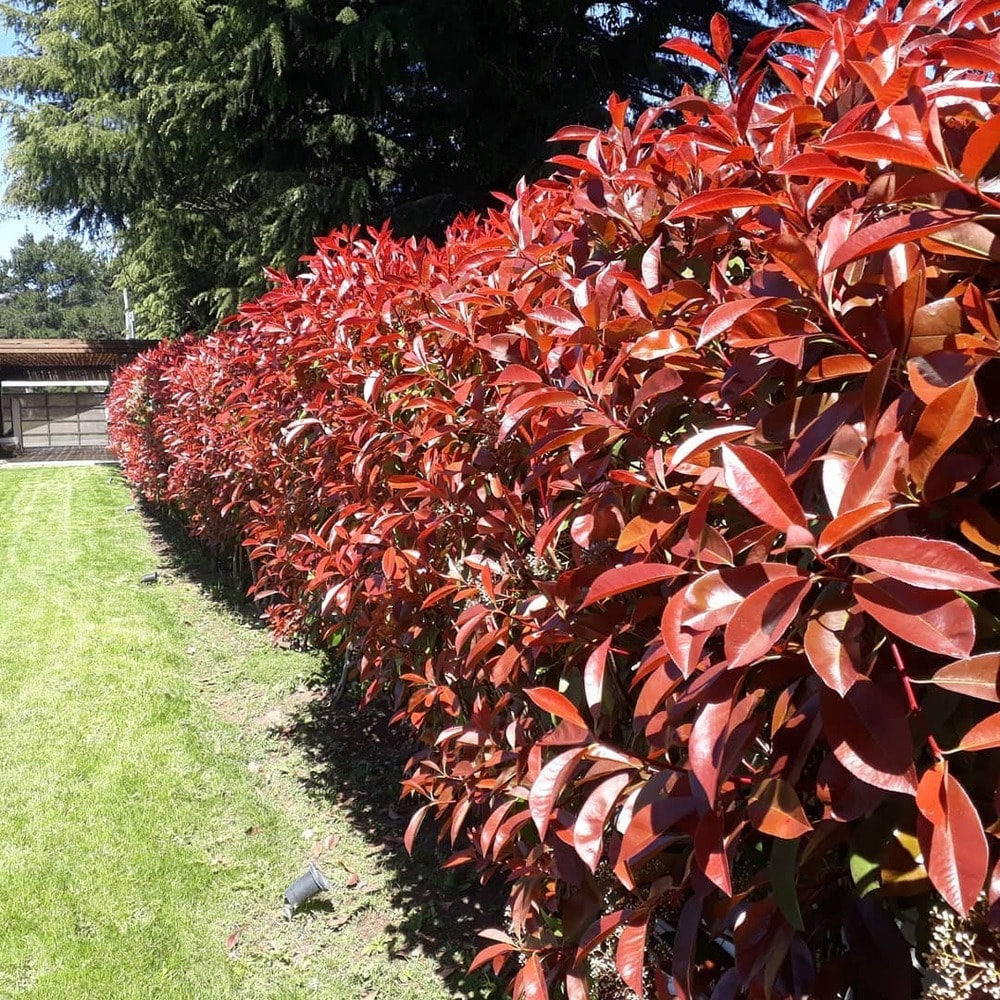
(56, 287)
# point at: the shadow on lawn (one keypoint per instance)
(355, 761)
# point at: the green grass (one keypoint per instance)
(148, 811)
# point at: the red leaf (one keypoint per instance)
(631, 952)
(593, 676)
(722, 200)
(708, 734)
(588, 830)
(892, 232)
(704, 440)
(759, 484)
(833, 648)
(981, 148)
(624, 578)
(977, 677)
(983, 735)
(870, 736)
(529, 984)
(762, 619)
(693, 51)
(951, 835)
(775, 809)
(710, 851)
(489, 953)
(939, 622)
(873, 147)
(548, 786)
(924, 562)
(722, 42)
(723, 316)
(551, 701)
(877, 474)
(851, 523)
(819, 165)
(941, 424)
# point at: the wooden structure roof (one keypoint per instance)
(43, 360)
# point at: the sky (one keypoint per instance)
(14, 224)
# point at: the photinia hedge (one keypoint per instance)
(663, 503)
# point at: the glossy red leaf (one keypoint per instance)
(878, 474)
(775, 809)
(549, 785)
(869, 734)
(941, 424)
(977, 677)
(983, 735)
(704, 440)
(936, 621)
(588, 830)
(760, 621)
(924, 562)
(707, 741)
(832, 643)
(852, 522)
(551, 701)
(981, 148)
(621, 579)
(722, 200)
(722, 42)
(874, 147)
(631, 952)
(529, 984)
(952, 839)
(686, 47)
(710, 851)
(894, 231)
(759, 484)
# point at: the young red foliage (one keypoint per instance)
(663, 502)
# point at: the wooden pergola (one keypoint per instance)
(41, 365)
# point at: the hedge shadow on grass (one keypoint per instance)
(355, 760)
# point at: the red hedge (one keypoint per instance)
(664, 502)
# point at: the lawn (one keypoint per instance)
(155, 785)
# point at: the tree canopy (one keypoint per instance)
(56, 287)
(220, 138)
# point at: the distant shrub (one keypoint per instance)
(664, 503)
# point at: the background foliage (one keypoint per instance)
(218, 138)
(664, 503)
(53, 287)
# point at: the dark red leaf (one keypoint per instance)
(952, 839)
(941, 424)
(588, 830)
(631, 952)
(983, 735)
(775, 809)
(977, 677)
(870, 736)
(833, 647)
(759, 484)
(894, 231)
(551, 701)
(924, 562)
(873, 147)
(549, 785)
(761, 620)
(624, 578)
(937, 621)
